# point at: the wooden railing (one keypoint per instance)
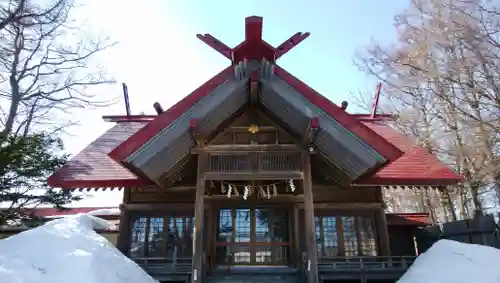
(363, 263)
(254, 162)
(166, 269)
(173, 268)
(381, 267)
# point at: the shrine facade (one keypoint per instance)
(256, 169)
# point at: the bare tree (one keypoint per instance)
(47, 70)
(47, 65)
(443, 76)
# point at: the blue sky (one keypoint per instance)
(160, 58)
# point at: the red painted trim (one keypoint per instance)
(290, 43)
(216, 44)
(382, 146)
(131, 118)
(77, 184)
(253, 47)
(408, 219)
(314, 122)
(409, 181)
(166, 118)
(253, 29)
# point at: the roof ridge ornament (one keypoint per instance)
(253, 47)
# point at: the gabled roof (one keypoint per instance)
(257, 49)
(92, 167)
(101, 163)
(415, 167)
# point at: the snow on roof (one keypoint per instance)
(66, 250)
(105, 211)
(453, 262)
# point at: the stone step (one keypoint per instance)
(254, 279)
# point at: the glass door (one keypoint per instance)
(253, 236)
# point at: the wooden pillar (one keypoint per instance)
(199, 215)
(312, 252)
(124, 229)
(297, 255)
(383, 233)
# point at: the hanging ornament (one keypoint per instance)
(292, 185)
(262, 193)
(275, 190)
(229, 191)
(222, 188)
(268, 193)
(245, 193)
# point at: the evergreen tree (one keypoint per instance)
(25, 164)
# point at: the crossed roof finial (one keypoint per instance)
(253, 47)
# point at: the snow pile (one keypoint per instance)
(453, 262)
(66, 250)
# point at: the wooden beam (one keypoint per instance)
(199, 213)
(124, 229)
(254, 93)
(312, 251)
(149, 207)
(181, 188)
(346, 205)
(278, 198)
(296, 238)
(262, 129)
(271, 175)
(197, 137)
(383, 233)
(244, 148)
(311, 132)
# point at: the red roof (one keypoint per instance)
(415, 167)
(92, 167)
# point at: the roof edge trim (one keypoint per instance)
(135, 141)
(77, 184)
(382, 146)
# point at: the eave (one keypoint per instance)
(126, 148)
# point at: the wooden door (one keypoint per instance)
(253, 236)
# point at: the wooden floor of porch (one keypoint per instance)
(362, 269)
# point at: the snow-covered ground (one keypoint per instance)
(453, 262)
(66, 250)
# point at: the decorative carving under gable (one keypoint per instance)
(410, 199)
(97, 189)
(410, 188)
(255, 162)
